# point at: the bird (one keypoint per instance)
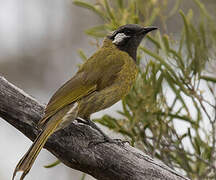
(101, 81)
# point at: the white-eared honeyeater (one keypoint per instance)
(104, 79)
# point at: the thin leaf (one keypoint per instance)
(109, 12)
(160, 59)
(154, 41)
(90, 7)
(175, 8)
(82, 55)
(97, 31)
(187, 33)
(203, 9)
(120, 4)
(208, 78)
(53, 164)
(83, 176)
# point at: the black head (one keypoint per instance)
(128, 37)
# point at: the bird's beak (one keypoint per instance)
(146, 30)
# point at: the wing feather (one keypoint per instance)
(71, 91)
(87, 80)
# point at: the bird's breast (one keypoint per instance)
(127, 76)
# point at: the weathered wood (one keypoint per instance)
(72, 145)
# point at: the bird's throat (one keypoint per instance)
(130, 49)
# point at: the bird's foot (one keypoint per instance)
(106, 138)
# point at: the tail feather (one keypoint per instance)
(67, 114)
(28, 159)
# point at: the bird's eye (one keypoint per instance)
(127, 31)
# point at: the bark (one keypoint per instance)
(72, 145)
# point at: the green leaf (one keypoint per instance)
(158, 85)
(97, 31)
(197, 145)
(177, 92)
(180, 61)
(175, 8)
(181, 42)
(108, 121)
(83, 176)
(181, 117)
(203, 9)
(110, 13)
(90, 7)
(208, 78)
(126, 112)
(82, 55)
(154, 41)
(53, 164)
(166, 42)
(120, 4)
(160, 59)
(187, 33)
(153, 16)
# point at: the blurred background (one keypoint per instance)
(39, 40)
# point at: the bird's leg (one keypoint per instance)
(93, 125)
(106, 138)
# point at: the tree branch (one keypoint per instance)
(71, 145)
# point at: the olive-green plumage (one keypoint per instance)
(104, 79)
(101, 81)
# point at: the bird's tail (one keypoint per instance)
(28, 159)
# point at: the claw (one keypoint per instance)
(106, 138)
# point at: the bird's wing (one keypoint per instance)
(70, 92)
(83, 83)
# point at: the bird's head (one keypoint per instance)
(128, 37)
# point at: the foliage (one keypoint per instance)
(171, 111)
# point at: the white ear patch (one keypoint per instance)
(119, 38)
